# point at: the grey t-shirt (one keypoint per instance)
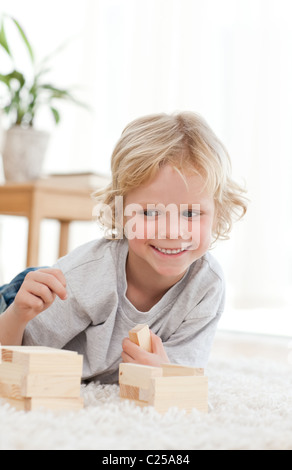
(97, 314)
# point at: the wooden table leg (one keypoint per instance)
(64, 238)
(33, 244)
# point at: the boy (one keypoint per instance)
(171, 197)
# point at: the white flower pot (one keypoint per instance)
(24, 153)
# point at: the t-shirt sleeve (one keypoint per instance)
(58, 325)
(191, 343)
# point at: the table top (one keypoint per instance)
(84, 183)
(60, 197)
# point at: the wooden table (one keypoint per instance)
(61, 198)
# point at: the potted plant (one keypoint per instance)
(23, 96)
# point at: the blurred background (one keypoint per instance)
(228, 60)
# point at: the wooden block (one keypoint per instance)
(36, 376)
(44, 361)
(25, 386)
(137, 375)
(140, 335)
(144, 394)
(55, 404)
(171, 370)
(134, 380)
(163, 387)
(135, 393)
(184, 393)
(10, 372)
(51, 386)
(129, 392)
(6, 352)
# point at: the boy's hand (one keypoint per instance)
(38, 292)
(136, 355)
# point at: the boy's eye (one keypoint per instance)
(190, 214)
(151, 213)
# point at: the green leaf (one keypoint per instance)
(7, 109)
(5, 79)
(56, 114)
(3, 40)
(15, 75)
(57, 92)
(24, 37)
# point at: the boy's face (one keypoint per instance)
(167, 214)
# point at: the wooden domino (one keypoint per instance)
(135, 381)
(164, 387)
(37, 377)
(185, 393)
(176, 370)
(140, 335)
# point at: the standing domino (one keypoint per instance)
(140, 335)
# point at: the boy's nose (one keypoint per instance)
(171, 227)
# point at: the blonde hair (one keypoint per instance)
(185, 141)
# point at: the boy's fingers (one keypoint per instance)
(43, 292)
(128, 346)
(30, 301)
(55, 272)
(48, 279)
(132, 349)
(128, 359)
(158, 348)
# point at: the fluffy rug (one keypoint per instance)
(251, 409)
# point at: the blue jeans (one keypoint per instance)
(8, 291)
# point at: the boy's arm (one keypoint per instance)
(37, 293)
(11, 328)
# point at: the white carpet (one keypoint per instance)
(252, 409)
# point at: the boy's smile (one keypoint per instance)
(169, 251)
(164, 243)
